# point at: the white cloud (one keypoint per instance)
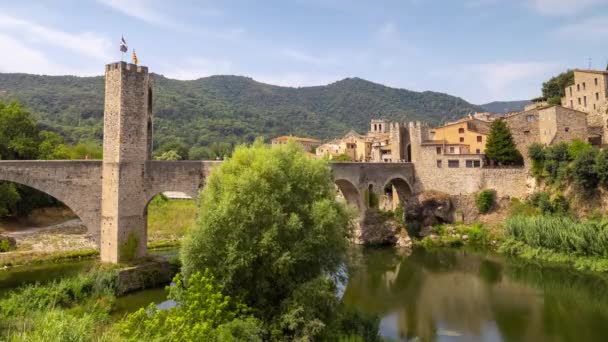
(87, 44)
(193, 68)
(140, 9)
(594, 29)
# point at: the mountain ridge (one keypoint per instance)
(230, 108)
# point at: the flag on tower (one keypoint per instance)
(134, 57)
(123, 45)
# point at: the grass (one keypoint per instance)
(170, 220)
(32, 258)
(70, 309)
(520, 249)
(561, 234)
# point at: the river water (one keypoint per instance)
(442, 295)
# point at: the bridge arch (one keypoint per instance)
(351, 194)
(76, 184)
(398, 191)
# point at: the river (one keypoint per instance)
(442, 295)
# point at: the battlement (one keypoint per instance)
(127, 67)
(417, 124)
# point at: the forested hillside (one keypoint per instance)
(505, 106)
(228, 109)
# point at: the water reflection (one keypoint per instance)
(462, 296)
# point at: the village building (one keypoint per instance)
(589, 94)
(468, 135)
(547, 126)
(308, 144)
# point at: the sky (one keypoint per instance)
(480, 50)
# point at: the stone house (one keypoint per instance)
(589, 94)
(547, 126)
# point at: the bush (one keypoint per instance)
(342, 158)
(542, 201)
(577, 147)
(536, 152)
(485, 200)
(560, 204)
(584, 170)
(601, 167)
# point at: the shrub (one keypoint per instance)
(485, 200)
(542, 201)
(584, 170)
(557, 152)
(536, 152)
(342, 158)
(560, 204)
(576, 147)
(601, 167)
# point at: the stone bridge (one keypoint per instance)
(111, 195)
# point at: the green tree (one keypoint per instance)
(18, 133)
(584, 170)
(269, 224)
(500, 146)
(177, 147)
(556, 86)
(9, 197)
(576, 147)
(485, 200)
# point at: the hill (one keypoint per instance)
(229, 108)
(505, 106)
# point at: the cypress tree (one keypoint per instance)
(500, 146)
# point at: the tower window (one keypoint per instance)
(570, 91)
(585, 98)
(595, 81)
(578, 87)
(571, 104)
(579, 100)
(584, 86)
(597, 96)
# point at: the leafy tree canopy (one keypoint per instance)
(269, 226)
(500, 146)
(555, 87)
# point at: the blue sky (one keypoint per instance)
(480, 50)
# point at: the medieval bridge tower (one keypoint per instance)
(127, 145)
(111, 196)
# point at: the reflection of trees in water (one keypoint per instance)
(575, 304)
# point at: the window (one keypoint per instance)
(567, 129)
(597, 96)
(594, 106)
(531, 118)
(473, 163)
(479, 138)
(585, 98)
(579, 100)
(584, 87)
(453, 164)
(451, 149)
(478, 151)
(595, 81)
(570, 91)
(526, 132)
(578, 87)
(438, 150)
(439, 164)
(461, 130)
(571, 104)
(462, 139)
